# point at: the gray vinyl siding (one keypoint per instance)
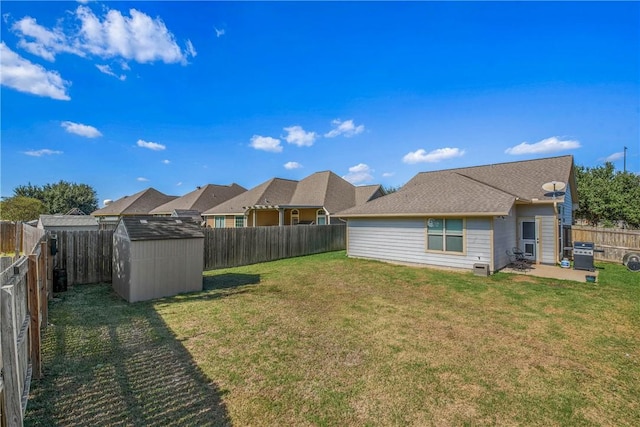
(403, 240)
(567, 208)
(504, 238)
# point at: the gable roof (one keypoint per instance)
(480, 190)
(275, 191)
(159, 228)
(201, 199)
(68, 221)
(321, 189)
(140, 203)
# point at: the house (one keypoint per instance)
(313, 200)
(466, 216)
(200, 200)
(141, 203)
(74, 222)
(156, 257)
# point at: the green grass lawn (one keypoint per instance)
(327, 340)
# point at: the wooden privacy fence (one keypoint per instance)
(614, 241)
(24, 292)
(10, 233)
(86, 256)
(233, 247)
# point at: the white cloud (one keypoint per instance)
(219, 33)
(613, 157)
(179, 184)
(266, 143)
(190, 49)
(166, 162)
(142, 179)
(135, 37)
(151, 145)
(25, 76)
(296, 135)
(46, 43)
(80, 129)
(43, 152)
(421, 156)
(388, 174)
(108, 71)
(359, 173)
(549, 145)
(292, 165)
(346, 128)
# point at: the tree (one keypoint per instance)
(20, 208)
(606, 196)
(62, 196)
(388, 189)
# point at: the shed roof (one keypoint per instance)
(480, 190)
(159, 228)
(68, 221)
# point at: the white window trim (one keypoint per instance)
(444, 251)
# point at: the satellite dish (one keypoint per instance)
(554, 188)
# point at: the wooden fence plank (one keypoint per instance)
(615, 242)
(8, 335)
(34, 312)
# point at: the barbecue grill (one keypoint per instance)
(583, 256)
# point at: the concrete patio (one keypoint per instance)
(554, 272)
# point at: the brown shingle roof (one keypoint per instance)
(276, 191)
(160, 228)
(321, 189)
(480, 190)
(140, 203)
(201, 199)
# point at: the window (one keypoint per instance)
(239, 221)
(218, 222)
(321, 217)
(446, 235)
(295, 217)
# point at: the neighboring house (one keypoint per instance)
(138, 204)
(313, 200)
(73, 222)
(460, 217)
(200, 200)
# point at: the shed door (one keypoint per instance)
(529, 238)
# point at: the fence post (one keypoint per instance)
(43, 281)
(34, 312)
(12, 392)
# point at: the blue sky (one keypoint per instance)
(128, 95)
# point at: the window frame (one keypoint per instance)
(238, 217)
(444, 233)
(295, 216)
(321, 213)
(219, 219)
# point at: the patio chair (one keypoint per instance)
(517, 261)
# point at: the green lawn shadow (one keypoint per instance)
(108, 362)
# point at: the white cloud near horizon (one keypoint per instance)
(266, 143)
(613, 157)
(359, 173)
(296, 135)
(135, 37)
(166, 162)
(142, 179)
(105, 69)
(24, 76)
(437, 155)
(42, 152)
(80, 129)
(388, 174)
(292, 165)
(345, 128)
(548, 145)
(151, 145)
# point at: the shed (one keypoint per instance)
(156, 257)
(67, 223)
